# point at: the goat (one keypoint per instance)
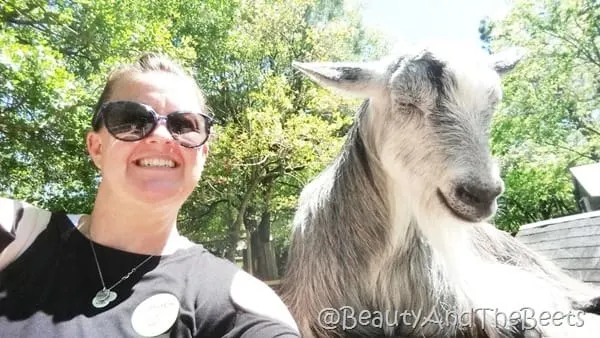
(393, 237)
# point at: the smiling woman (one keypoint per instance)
(125, 270)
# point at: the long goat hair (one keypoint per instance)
(392, 239)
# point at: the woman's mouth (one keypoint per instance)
(155, 163)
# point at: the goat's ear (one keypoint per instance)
(364, 79)
(505, 60)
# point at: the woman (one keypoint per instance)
(125, 270)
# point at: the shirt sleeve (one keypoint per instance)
(20, 223)
(260, 311)
(249, 325)
(10, 213)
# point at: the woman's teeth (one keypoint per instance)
(156, 162)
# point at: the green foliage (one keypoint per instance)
(549, 120)
(275, 129)
(278, 130)
(485, 33)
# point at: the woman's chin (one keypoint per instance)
(159, 191)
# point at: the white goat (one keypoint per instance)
(392, 239)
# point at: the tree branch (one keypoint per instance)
(211, 207)
(293, 169)
(588, 128)
(239, 220)
(259, 163)
(568, 149)
(576, 45)
(291, 185)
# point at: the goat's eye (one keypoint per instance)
(487, 113)
(493, 98)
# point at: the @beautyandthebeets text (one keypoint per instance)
(347, 318)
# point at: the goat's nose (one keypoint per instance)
(478, 195)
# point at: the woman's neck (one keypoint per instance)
(147, 231)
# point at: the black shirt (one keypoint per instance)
(47, 292)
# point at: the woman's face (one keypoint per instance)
(156, 169)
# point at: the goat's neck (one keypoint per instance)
(465, 256)
(412, 207)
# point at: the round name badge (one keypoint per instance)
(155, 315)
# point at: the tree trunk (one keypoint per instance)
(266, 263)
(233, 237)
(241, 212)
(264, 255)
(249, 263)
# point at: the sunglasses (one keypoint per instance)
(132, 121)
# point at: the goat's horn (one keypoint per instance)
(362, 79)
(505, 60)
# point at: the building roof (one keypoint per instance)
(572, 242)
(588, 177)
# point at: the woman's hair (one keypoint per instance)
(147, 62)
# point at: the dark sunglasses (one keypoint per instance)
(132, 121)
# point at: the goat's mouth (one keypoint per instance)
(467, 208)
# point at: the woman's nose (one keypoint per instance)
(160, 133)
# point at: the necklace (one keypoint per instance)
(106, 295)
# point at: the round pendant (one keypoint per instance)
(103, 298)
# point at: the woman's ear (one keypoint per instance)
(94, 147)
(205, 149)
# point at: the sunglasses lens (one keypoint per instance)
(189, 129)
(128, 121)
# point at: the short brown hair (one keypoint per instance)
(147, 62)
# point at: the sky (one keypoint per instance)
(415, 21)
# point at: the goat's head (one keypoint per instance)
(428, 117)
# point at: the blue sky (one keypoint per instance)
(414, 21)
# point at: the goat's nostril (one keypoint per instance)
(463, 194)
(477, 195)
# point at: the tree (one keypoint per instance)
(485, 33)
(275, 130)
(549, 120)
(55, 56)
(278, 129)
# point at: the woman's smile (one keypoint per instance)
(155, 163)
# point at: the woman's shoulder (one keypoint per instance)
(20, 223)
(15, 214)
(234, 289)
(256, 298)
(230, 288)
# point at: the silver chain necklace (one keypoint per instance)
(105, 296)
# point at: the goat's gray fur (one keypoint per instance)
(382, 228)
